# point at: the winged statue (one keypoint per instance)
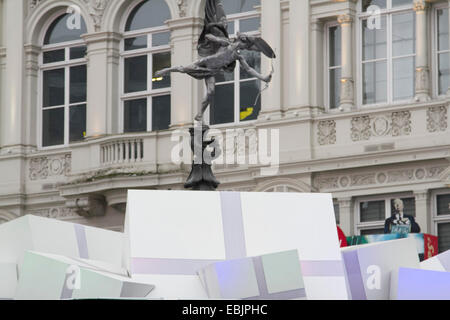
(219, 53)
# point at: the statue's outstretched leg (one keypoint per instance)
(167, 71)
(209, 98)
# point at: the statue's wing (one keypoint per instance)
(214, 14)
(258, 44)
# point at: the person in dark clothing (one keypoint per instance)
(399, 219)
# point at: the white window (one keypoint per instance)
(333, 63)
(387, 51)
(441, 217)
(145, 50)
(63, 83)
(237, 93)
(442, 51)
(371, 212)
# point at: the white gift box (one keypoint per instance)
(419, 284)
(369, 266)
(8, 280)
(170, 235)
(441, 262)
(54, 277)
(57, 237)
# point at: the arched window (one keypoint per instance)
(236, 93)
(146, 50)
(63, 82)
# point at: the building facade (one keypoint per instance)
(359, 99)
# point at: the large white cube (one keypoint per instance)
(170, 235)
(8, 280)
(56, 237)
(441, 262)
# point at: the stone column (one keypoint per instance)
(423, 214)
(299, 54)
(422, 68)
(31, 105)
(271, 32)
(317, 68)
(346, 215)
(102, 88)
(347, 83)
(185, 99)
(11, 112)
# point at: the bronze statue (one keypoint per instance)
(219, 53)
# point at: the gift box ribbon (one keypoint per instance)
(80, 234)
(234, 238)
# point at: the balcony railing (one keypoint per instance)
(122, 152)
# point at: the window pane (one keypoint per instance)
(403, 34)
(225, 76)
(161, 61)
(248, 25)
(409, 206)
(443, 204)
(335, 46)
(65, 28)
(372, 231)
(223, 110)
(367, 3)
(238, 6)
(148, 14)
(77, 123)
(249, 92)
(78, 52)
(135, 116)
(53, 91)
(53, 127)
(336, 212)
(375, 82)
(442, 16)
(403, 74)
(54, 56)
(161, 113)
(372, 211)
(444, 72)
(397, 3)
(444, 237)
(78, 84)
(136, 43)
(335, 88)
(230, 27)
(136, 74)
(374, 40)
(253, 59)
(160, 39)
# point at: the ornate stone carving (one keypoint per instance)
(35, 3)
(326, 183)
(364, 179)
(437, 119)
(422, 80)
(327, 132)
(401, 123)
(361, 128)
(345, 19)
(182, 7)
(347, 91)
(381, 126)
(401, 175)
(420, 5)
(43, 167)
(96, 10)
(88, 206)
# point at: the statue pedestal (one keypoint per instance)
(201, 176)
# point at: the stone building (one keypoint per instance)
(359, 97)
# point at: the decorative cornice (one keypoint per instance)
(182, 8)
(344, 19)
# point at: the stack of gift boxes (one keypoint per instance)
(212, 245)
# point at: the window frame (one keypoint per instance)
(434, 47)
(359, 226)
(150, 93)
(66, 65)
(235, 19)
(328, 69)
(360, 17)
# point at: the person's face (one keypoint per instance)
(398, 205)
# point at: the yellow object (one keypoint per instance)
(245, 114)
(157, 79)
